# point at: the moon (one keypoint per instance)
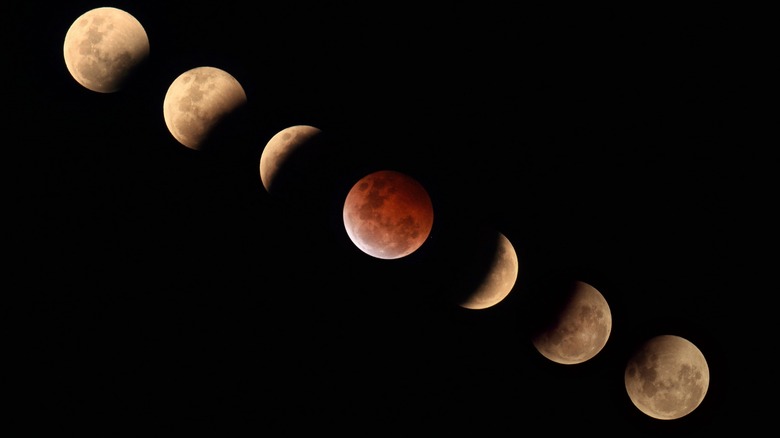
(495, 277)
(388, 214)
(667, 377)
(104, 47)
(283, 163)
(577, 329)
(197, 101)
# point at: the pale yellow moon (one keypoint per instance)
(576, 330)
(104, 47)
(197, 101)
(282, 153)
(498, 280)
(667, 377)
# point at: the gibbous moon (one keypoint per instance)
(576, 329)
(388, 214)
(198, 101)
(498, 278)
(104, 47)
(282, 162)
(667, 377)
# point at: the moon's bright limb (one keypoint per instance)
(284, 150)
(499, 279)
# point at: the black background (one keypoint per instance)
(164, 288)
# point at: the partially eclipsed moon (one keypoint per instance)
(667, 377)
(388, 214)
(198, 101)
(283, 160)
(104, 47)
(577, 329)
(499, 277)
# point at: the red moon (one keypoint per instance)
(388, 214)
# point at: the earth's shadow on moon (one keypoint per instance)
(546, 300)
(549, 290)
(133, 78)
(306, 176)
(466, 254)
(228, 138)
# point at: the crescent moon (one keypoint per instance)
(286, 159)
(577, 329)
(388, 214)
(197, 101)
(496, 281)
(103, 48)
(667, 377)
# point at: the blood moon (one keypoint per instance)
(388, 214)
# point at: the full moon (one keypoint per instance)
(283, 162)
(198, 101)
(104, 47)
(577, 328)
(667, 377)
(499, 277)
(388, 214)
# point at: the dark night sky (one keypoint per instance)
(166, 286)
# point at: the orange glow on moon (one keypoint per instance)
(388, 214)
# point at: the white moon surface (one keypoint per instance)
(197, 101)
(104, 47)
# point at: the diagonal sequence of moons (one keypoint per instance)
(387, 214)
